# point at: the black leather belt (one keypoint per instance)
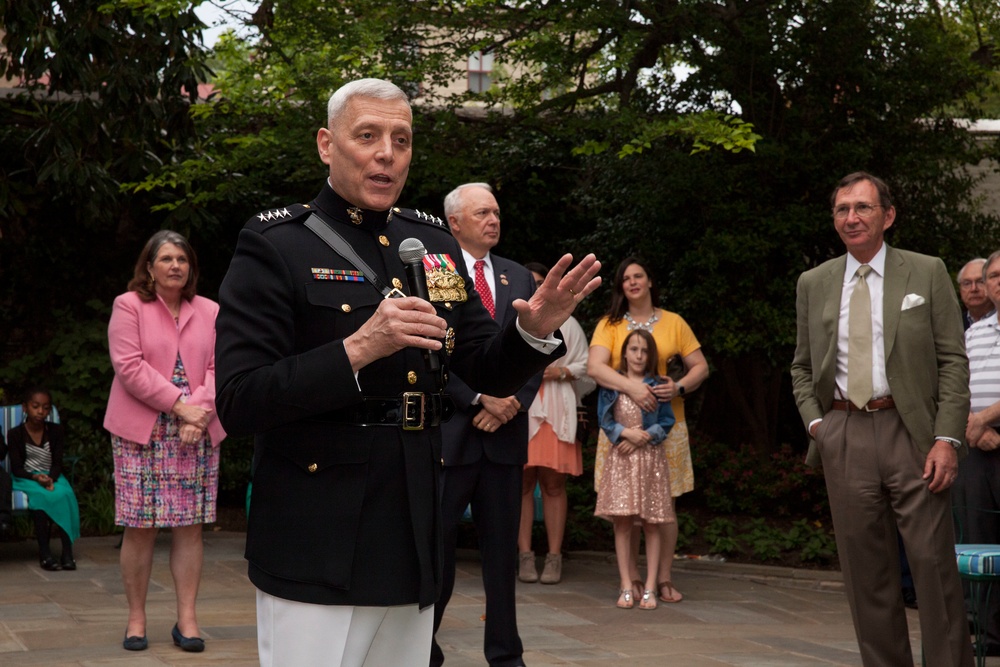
(412, 411)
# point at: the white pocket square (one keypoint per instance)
(912, 301)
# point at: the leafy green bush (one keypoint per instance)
(97, 511)
(815, 543)
(765, 542)
(687, 528)
(721, 536)
(742, 480)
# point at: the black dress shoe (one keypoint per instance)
(5, 527)
(135, 643)
(68, 563)
(190, 644)
(49, 563)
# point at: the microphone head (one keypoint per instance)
(411, 251)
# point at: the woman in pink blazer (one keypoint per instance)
(164, 431)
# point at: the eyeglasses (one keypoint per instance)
(863, 210)
(966, 284)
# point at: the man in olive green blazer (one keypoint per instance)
(889, 461)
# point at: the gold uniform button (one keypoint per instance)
(395, 209)
(411, 377)
(397, 283)
(346, 307)
(313, 467)
(384, 240)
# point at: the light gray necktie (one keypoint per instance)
(859, 342)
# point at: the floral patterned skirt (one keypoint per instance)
(163, 483)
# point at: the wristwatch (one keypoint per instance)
(680, 390)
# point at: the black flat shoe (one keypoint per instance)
(135, 643)
(49, 564)
(189, 644)
(68, 564)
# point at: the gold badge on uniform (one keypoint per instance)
(355, 214)
(443, 280)
(449, 340)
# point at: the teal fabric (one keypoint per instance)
(11, 416)
(59, 503)
(978, 559)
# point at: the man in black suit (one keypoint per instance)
(486, 443)
(323, 358)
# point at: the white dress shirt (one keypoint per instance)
(876, 285)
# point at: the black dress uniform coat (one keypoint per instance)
(342, 513)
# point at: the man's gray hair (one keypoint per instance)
(977, 260)
(453, 200)
(378, 89)
(994, 256)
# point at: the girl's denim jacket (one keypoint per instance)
(657, 423)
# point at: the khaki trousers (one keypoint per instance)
(314, 635)
(874, 480)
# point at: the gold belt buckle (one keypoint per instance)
(413, 411)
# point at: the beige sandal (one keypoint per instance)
(675, 595)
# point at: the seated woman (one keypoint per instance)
(36, 456)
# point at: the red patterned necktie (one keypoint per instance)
(484, 290)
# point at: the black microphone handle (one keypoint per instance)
(416, 279)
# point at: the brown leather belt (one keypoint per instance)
(873, 405)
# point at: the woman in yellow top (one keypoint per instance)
(633, 306)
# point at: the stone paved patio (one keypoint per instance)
(732, 615)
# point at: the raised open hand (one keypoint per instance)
(556, 298)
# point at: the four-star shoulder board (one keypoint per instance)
(419, 216)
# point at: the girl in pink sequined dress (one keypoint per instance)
(636, 482)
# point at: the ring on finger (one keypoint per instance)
(572, 291)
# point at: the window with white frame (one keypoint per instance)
(480, 71)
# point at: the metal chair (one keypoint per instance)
(979, 566)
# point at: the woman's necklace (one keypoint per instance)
(646, 326)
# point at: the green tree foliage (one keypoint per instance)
(594, 135)
(832, 88)
(104, 97)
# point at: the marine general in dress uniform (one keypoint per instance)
(331, 378)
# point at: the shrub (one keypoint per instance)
(687, 529)
(745, 481)
(97, 511)
(721, 536)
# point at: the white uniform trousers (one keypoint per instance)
(316, 635)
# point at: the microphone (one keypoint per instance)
(411, 253)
